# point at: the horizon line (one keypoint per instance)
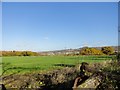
(63, 49)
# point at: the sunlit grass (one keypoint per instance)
(32, 64)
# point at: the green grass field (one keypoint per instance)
(31, 64)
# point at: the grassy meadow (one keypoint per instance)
(31, 64)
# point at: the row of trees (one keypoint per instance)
(95, 51)
(83, 51)
(18, 53)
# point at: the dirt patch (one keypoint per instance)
(57, 79)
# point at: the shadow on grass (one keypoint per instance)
(25, 68)
(64, 65)
(16, 70)
(92, 58)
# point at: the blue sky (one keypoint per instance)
(0, 26)
(52, 26)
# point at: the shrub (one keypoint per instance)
(107, 50)
(90, 51)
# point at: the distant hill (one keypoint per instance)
(70, 51)
(55, 52)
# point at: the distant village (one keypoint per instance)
(72, 51)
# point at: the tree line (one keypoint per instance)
(94, 51)
(84, 51)
(18, 53)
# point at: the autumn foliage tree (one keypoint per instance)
(90, 51)
(107, 50)
(19, 53)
